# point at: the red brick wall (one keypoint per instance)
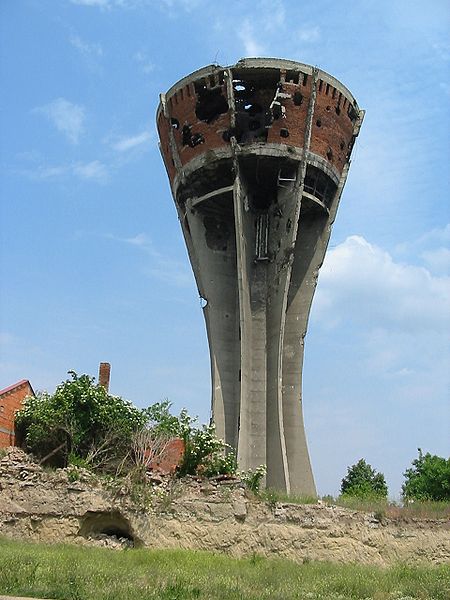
(170, 458)
(335, 130)
(331, 134)
(11, 400)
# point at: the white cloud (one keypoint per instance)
(87, 49)
(162, 267)
(308, 34)
(437, 260)
(247, 36)
(360, 281)
(94, 170)
(68, 118)
(97, 3)
(128, 143)
(143, 60)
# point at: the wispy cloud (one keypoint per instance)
(144, 61)
(308, 34)
(252, 47)
(86, 48)
(161, 266)
(95, 171)
(132, 142)
(68, 118)
(97, 3)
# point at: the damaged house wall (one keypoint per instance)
(257, 155)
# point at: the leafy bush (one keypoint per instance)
(80, 420)
(363, 482)
(253, 478)
(427, 479)
(204, 453)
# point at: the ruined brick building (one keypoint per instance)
(257, 156)
(11, 400)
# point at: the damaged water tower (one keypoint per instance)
(257, 156)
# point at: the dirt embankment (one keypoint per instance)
(49, 507)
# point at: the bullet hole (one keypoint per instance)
(175, 123)
(342, 145)
(284, 133)
(253, 108)
(186, 134)
(298, 98)
(330, 154)
(242, 89)
(196, 139)
(189, 138)
(328, 108)
(211, 103)
(338, 110)
(319, 123)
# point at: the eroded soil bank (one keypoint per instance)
(38, 505)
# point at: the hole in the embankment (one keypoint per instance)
(99, 524)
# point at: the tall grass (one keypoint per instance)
(80, 573)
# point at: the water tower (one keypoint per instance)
(257, 156)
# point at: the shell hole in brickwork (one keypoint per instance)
(211, 103)
(175, 123)
(319, 123)
(342, 145)
(298, 99)
(254, 125)
(189, 138)
(328, 108)
(284, 133)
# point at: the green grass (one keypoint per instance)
(79, 573)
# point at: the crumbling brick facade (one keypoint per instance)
(11, 400)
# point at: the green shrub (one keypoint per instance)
(427, 479)
(363, 482)
(80, 420)
(253, 478)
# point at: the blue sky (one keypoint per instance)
(93, 266)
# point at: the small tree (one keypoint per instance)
(80, 420)
(364, 482)
(427, 479)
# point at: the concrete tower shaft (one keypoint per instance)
(257, 156)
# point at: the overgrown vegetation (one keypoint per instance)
(363, 482)
(84, 426)
(80, 424)
(73, 573)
